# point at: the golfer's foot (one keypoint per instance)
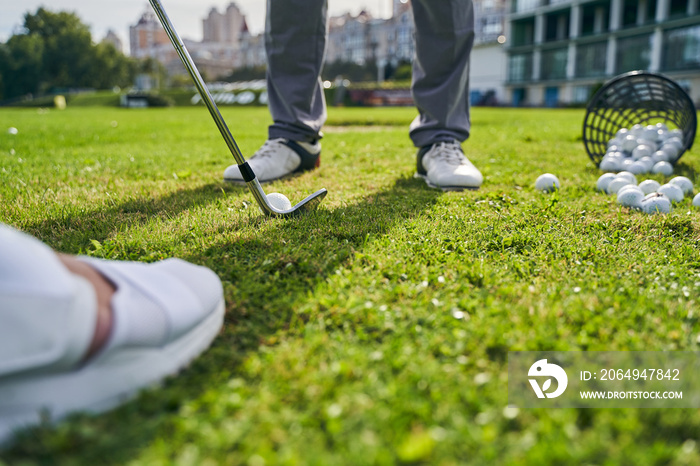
(444, 166)
(279, 158)
(152, 320)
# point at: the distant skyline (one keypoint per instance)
(187, 15)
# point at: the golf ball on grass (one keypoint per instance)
(673, 192)
(696, 200)
(604, 181)
(547, 183)
(615, 185)
(663, 168)
(684, 183)
(12, 130)
(656, 203)
(630, 197)
(279, 201)
(649, 186)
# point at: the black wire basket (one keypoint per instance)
(638, 97)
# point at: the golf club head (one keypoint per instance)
(304, 206)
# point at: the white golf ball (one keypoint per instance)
(622, 133)
(650, 133)
(662, 127)
(648, 163)
(279, 201)
(629, 143)
(630, 197)
(671, 191)
(12, 130)
(656, 203)
(664, 168)
(626, 163)
(660, 156)
(610, 163)
(684, 183)
(547, 183)
(614, 142)
(649, 186)
(638, 168)
(604, 181)
(615, 185)
(671, 150)
(637, 130)
(642, 150)
(676, 133)
(696, 200)
(628, 175)
(661, 136)
(676, 142)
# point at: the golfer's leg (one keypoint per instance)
(444, 39)
(295, 42)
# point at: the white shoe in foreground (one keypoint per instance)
(444, 166)
(164, 315)
(278, 158)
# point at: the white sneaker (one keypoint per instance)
(278, 158)
(164, 315)
(444, 166)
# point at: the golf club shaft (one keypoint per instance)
(251, 179)
(198, 81)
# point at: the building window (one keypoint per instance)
(520, 67)
(581, 94)
(554, 63)
(630, 8)
(651, 11)
(595, 18)
(678, 8)
(633, 53)
(681, 49)
(523, 32)
(591, 59)
(557, 26)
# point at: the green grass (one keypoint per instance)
(341, 344)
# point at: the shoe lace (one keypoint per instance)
(269, 148)
(449, 152)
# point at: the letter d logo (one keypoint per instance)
(542, 369)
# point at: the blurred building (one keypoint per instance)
(112, 38)
(224, 28)
(360, 39)
(560, 51)
(147, 38)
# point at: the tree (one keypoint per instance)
(21, 65)
(55, 51)
(112, 68)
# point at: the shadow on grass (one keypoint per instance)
(266, 279)
(71, 231)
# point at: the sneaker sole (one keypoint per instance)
(102, 384)
(445, 188)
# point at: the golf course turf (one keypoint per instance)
(375, 330)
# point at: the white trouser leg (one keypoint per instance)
(47, 314)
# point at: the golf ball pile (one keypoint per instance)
(547, 183)
(644, 149)
(649, 196)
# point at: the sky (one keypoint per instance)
(186, 15)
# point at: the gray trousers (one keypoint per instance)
(295, 42)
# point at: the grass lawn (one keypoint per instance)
(377, 329)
